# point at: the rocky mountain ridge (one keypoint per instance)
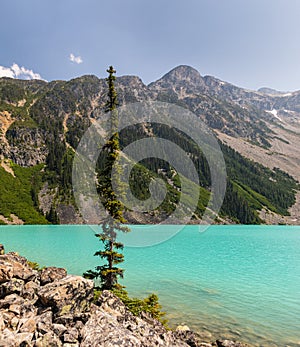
(43, 122)
(237, 112)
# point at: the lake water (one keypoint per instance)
(240, 282)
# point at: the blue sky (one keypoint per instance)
(250, 43)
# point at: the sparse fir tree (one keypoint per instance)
(109, 272)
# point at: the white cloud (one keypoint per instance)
(15, 71)
(6, 72)
(77, 60)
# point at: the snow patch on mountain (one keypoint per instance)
(274, 112)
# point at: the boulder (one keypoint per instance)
(30, 290)
(102, 329)
(71, 336)
(191, 338)
(70, 295)
(106, 329)
(182, 328)
(13, 339)
(27, 325)
(44, 322)
(48, 340)
(14, 285)
(51, 274)
(12, 299)
(59, 329)
(13, 265)
(6, 271)
(110, 303)
(49, 308)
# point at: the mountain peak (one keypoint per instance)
(184, 70)
(182, 75)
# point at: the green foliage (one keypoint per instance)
(76, 127)
(136, 306)
(236, 206)
(25, 122)
(272, 188)
(60, 111)
(11, 93)
(150, 304)
(16, 194)
(52, 216)
(34, 265)
(66, 170)
(109, 272)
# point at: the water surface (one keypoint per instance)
(240, 282)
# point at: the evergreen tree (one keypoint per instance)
(52, 216)
(109, 272)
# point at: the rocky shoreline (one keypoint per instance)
(49, 308)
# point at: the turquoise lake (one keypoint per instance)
(240, 282)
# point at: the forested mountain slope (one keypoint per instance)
(42, 123)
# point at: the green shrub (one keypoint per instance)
(136, 306)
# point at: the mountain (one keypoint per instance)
(42, 123)
(270, 91)
(263, 127)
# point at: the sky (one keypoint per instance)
(250, 43)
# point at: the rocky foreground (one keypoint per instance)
(49, 308)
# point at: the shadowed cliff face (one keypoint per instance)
(48, 307)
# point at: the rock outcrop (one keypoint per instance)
(49, 308)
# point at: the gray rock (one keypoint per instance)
(48, 340)
(6, 271)
(27, 325)
(13, 339)
(104, 329)
(14, 308)
(10, 300)
(59, 329)
(70, 295)
(191, 338)
(111, 304)
(44, 322)
(2, 250)
(30, 290)
(71, 336)
(14, 323)
(51, 274)
(13, 265)
(7, 338)
(14, 285)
